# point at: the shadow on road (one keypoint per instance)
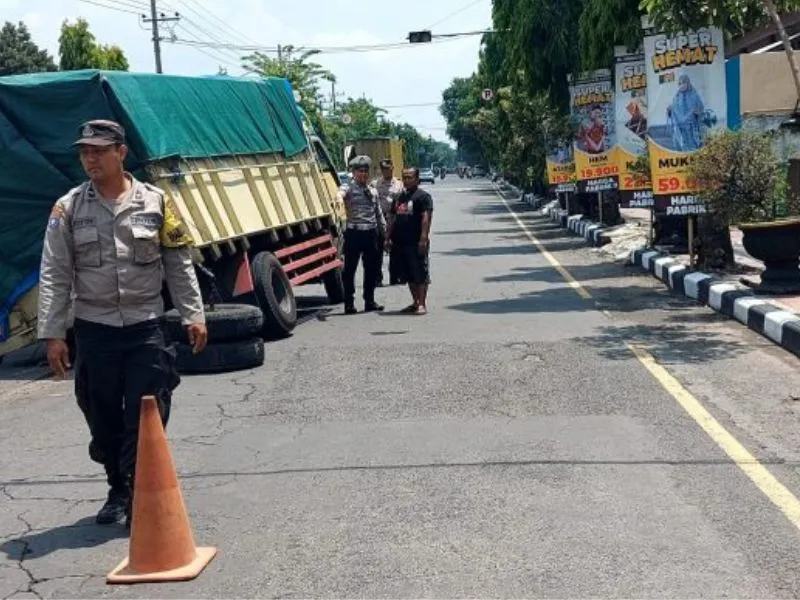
(668, 343)
(554, 300)
(582, 273)
(487, 251)
(84, 533)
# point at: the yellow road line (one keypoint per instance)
(571, 281)
(758, 473)
(765, 481)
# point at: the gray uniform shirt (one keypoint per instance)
(113, 260)
(362, 207)
(388, 190)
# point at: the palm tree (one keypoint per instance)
(293, 63)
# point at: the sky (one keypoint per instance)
(413, 74)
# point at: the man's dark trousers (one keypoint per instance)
(361, 245)
(115, 367)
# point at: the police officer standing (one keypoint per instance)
(389, 187)
(109, 243)
(363, 237)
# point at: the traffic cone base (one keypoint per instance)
(124, 574)
(161, 546)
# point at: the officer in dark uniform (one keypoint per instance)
(110, 242)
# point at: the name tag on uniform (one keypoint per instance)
(82, 222)
(411, 206)
(148, 220)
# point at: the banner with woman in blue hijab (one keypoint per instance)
(686, 98)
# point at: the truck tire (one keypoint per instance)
(221, 357)
(227, 322)
(334, 285)
(275, 295)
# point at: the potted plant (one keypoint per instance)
(742, 181)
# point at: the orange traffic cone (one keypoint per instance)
(161, 545)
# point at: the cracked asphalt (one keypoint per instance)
(506, 445)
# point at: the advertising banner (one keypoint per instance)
(686, 99)
(592, 107)
(561, 169)
(635, 190)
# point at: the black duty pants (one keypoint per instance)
(361, 246)
(114, 368)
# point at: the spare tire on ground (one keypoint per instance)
(275, 295)
(334, 285)
(221, 357)
(225, 323)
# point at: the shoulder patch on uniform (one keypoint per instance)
(174, 233)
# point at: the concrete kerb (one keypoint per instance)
(731, 299)
(593, 233)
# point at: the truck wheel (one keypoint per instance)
(221, 357)
(334, 285)
(227, 322)
(274, 294)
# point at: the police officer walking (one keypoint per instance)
(389, 187)
(110, 242)
(363, 237)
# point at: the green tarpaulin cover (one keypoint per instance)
(164, 116)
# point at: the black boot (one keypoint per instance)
(116, 507)
(350, 309)
(372, 307)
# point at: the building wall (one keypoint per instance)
(766, 84)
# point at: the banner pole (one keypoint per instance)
(600, 206)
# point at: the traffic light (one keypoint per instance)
(420, 37)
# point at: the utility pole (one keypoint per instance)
(280, 55)
(154, 20)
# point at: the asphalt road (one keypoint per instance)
(508, 444)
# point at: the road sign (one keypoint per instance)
(487, 94)
(347, 119)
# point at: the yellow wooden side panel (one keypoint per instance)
(397, 157)
(22, 323)
(232, 197)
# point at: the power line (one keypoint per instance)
(330, 49)
(224, 26)
(420, 104)
(117, 8)
(454, 13)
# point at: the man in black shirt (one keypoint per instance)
(409, 236)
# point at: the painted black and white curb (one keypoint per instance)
(778, 324)
(593, 233)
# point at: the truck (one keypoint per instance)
(377, 148)
(254, 185)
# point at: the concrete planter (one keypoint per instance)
(777, 245)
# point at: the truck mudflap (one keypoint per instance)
(308, 260)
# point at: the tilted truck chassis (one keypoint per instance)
(262, 226)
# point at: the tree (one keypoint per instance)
(304, 75)
(78, 49)
(19, 54)
(605, 24)
(734, 16)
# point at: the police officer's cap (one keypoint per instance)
(386, 163)
(100, 132)
(361, 162)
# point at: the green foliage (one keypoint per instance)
(538, 45)
(19, 54)
(368, 120)
(734, 16)
(78, 49)
(305, 75)
(740, 176)
(605, 24)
